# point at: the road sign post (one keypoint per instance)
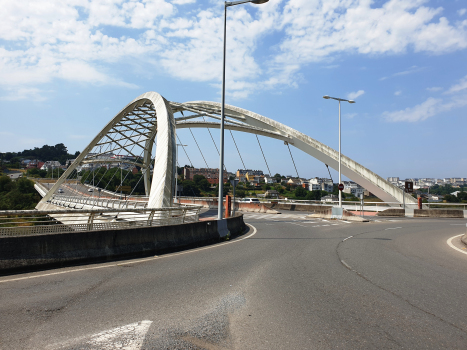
(234, 183)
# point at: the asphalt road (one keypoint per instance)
(289, 283)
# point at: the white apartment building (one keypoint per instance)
(321, 184)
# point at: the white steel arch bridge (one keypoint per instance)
(133, 132)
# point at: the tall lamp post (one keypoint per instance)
(340, 175)
(176, 172)
(221, 160)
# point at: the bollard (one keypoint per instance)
(420, 203)
(228, 205)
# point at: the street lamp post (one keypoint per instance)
(176, 172)
(221, 156)
(340, 174)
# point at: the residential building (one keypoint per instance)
(249, 172)
(330, 198)
(271, 194)
(212, 175)
(353, 188)
(320, 184)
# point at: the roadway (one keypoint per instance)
(289, 283)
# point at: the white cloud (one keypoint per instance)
(183, 2)
(429, 108)
(462, 12)
(398, 93)
(354, 95)
(462, 85)
(411, 70)
(434, 89)
(78, 40)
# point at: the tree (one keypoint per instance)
(300, 192)
(278, 177)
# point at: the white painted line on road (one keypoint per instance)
(315, 226)
(347, 222)
(347, 238)
(324, 220)
(129, 337)
(134, 261)
(346, 265)
(325, 225)
(449, 241)
(393, 228)
(334, 224)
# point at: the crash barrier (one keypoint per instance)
(425, 213)
(52, 250)
(42, 222)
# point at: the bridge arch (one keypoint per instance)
(247, 121)
(148, 115)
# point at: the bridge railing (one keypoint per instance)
(80, 202)
(35, 222)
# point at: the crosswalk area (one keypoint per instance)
(294, 219)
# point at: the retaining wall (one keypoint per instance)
(391, 212)
(438, 213)
(26, 252)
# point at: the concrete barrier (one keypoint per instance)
(438, 213)
(346, 215)
(392, 212)
(299, 207)
(37, 252)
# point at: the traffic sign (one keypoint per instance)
(123, 188)
(409, 186)
(341, 187)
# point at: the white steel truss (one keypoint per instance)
(132, 133)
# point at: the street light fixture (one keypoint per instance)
(343, 100)
(176, 172)
(221, 156)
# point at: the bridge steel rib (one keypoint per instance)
(160, 190)
(163, 181)
(271, 128)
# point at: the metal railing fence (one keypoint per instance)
(35, 222)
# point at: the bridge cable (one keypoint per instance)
(261, 148)
(329, 172)
(191, 163)
(237, 149)
(292, 159)
(212, 138)
(207, 166)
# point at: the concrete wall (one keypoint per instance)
(17, 253)
(438, 213)
(300, 207)
(391, 212)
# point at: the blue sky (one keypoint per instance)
(66, 68)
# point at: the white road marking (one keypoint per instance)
(393, 228)
(134, 261)
(325, 225)
(324, 220)
(347, 222)
(449, 242)
(347, 238)
(129, 337)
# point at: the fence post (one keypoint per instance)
(90, 221)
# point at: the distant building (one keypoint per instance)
(271, 194)
(320, 184)
(249, 172)
(50, 164)
(330, 198)
(353, 188)
(212, 175)
(393, 179)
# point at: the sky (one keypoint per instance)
(68, 67)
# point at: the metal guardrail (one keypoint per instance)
(79, 202)
(35, 222)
